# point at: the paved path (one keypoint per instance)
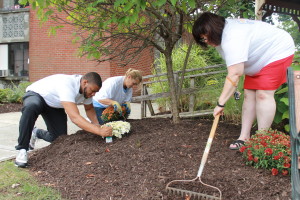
(9, 130)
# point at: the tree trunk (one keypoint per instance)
(173, 89)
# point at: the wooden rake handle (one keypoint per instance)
(208, 145)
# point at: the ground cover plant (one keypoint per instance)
(269, 149)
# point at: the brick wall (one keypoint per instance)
(57, 54)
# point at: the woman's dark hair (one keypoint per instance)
(211, 25)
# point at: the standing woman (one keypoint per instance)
(116, 91)
(257, 49)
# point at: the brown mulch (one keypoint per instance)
(10, 107)
(138, 166)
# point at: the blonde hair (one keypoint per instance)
(135, 74)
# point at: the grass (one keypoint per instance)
(17, 183)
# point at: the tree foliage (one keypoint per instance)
(121, 29)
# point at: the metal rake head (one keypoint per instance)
(193, 195)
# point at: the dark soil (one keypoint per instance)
(138, 166)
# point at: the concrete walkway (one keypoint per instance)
(9, 130)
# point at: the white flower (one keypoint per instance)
(119, 128)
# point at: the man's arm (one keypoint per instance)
(73, 112)
(90, 113)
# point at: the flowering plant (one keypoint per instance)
(109, 114)
(269, 149)
(119, 128)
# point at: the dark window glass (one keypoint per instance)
(18, 59)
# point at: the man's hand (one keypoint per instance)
(105, 131)
(117, 107)
(127, 107)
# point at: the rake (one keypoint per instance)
(192, 194)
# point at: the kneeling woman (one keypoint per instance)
(116, 91)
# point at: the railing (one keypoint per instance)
(146, 98)
(294, 111)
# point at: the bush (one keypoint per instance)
(282, 102)
(198, 58)
(269, 150)
(15, 94)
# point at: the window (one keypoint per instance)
(10, 5)
(18, 59)
(15, 59)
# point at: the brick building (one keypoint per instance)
(27, 52)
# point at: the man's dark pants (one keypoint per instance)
(55, 119)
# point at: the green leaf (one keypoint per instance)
(159, 3)
(40, 3)
(285, 115)
(287, 127)
(128, 6)
(134, 18)
(118, 3)
(192, 3)
(141, 4)
(285, 101)
(282, 90)
(33, 5)
(23, 2)
(173, 2)
(277, 118)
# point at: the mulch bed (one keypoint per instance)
(10, 107)
(138, 166)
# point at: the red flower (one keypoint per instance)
(280, 154)
(243, 148)
(255, 159)
(249, 153)
(287, 159)
(269, 151)
(286, 165)
(264, 143)
(274, 171)
(285, 172)
(276, 157)
(250, 158)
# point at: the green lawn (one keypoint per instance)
(18, 184)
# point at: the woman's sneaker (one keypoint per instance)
(22, 158)
(33, 139)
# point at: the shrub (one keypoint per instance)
(4, 93)
(281, 98)
(14, 94)
(198, 58)
(269, 149)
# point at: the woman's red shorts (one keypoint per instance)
(270, 77)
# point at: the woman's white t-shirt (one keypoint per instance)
(60, 87)
(255, 43)
(112, 88)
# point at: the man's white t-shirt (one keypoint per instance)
(255, 43)
(60, 87)
(112, 88)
